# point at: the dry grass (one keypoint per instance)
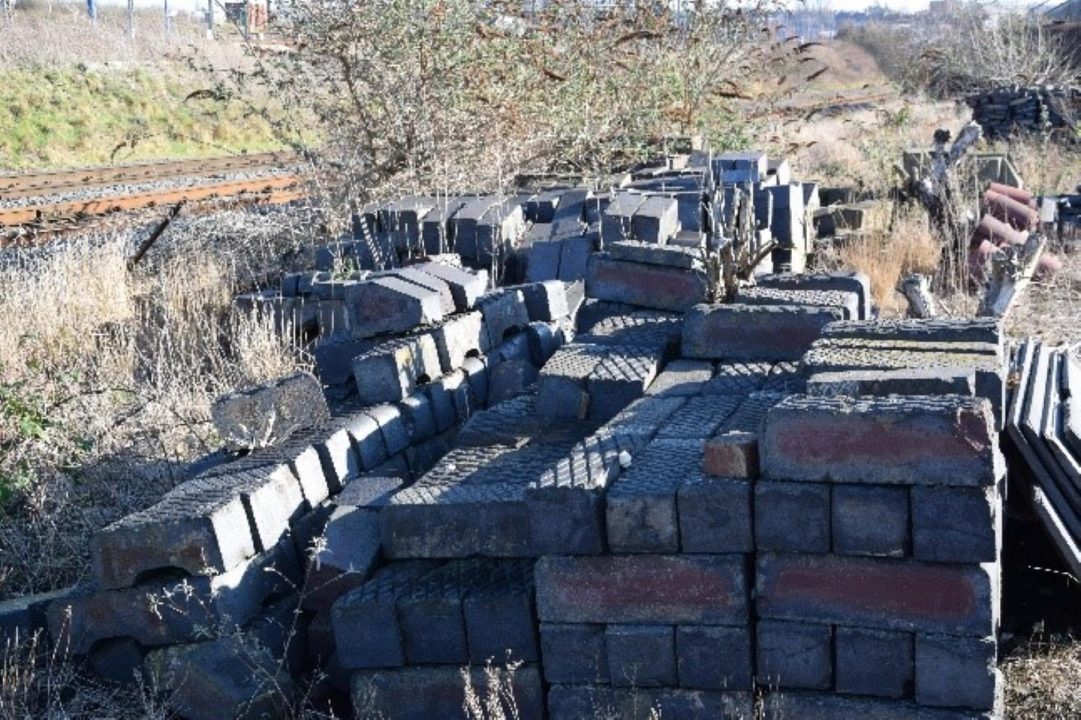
(106, 377)
(1042, 680)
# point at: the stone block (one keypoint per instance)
(372, 491)
(753, 332)
(846, 302)
(365, 619)
(425, 693)
(646, 253)
(641, 505)
(561, 385)
(652, 286)
(715, 515)
(392, 370)
(685, 589)
(731, 455)
(543, 260)
(392, 426)
(437, 227)
(430, 613)
(460, 337)
(347, 555)
(268, 414)
(338, 458)
(545, 301)
(879, 593)
(426, 281)
(574, 256)
(569, 702)
(828, 706)
(389, 305)
(641, 655)
(504, 313)
(843, 281)
(935, 330)
(714, 657)
(499, 615)
(740, 167)
(616, 220)
(791, 517)
(948, 440)
(477, 376)
(575, 654)
(334, 362)
(465, 285)
(957, 672)
(874, 662)
(905, 381)
(368, 442)
(419, 419)
(870, 520)
(794, 655)
(230, 677)
(951, 524)
(544, 339)
(681, 378)
(620, 378)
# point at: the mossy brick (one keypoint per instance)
(732, 454)
(737, 332)
(424, 693)
(499, 615)
(389, 305)
(949, 440)
(365, 619)
(715, 515)
(202, 534)
(651, 286)
(957, 672)
(504, 312)
(170, 612)
(714, 657)
(951, 524)
(676, 589)
(585, 702)
(879, 593)
(794, 655)
(465, 285)
(871, 520)
(844, 281)
(656, 220)
(791, 517)
(458, 338)
(641, 504)
(681, 378)
(392, 370)
(846, 302)
(347, 555)
(574, 653)
(229, 677)
(904, 381)
(641, 655)
(874, 662)
(426, 281)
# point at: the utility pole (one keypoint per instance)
(168, 20)
(210, 18)
(131, 19)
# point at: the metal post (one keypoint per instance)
(92, 10)
(168, 20)
(131, 19)
(210, 18)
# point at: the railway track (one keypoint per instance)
(14, 186)
(52, 210)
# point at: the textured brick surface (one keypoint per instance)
(924, 440)
(390, 305)
(650, 286)
(957, 524)
(504, 313)
(349, 553)
(647, 589)
(907, 381)
(681, 378)
(714, 657)
(561, 386)
(458, 338)
(499, 614)
(620, 378)
(940, 330)
(465, 286)
(956, 672)
(574, 653)
(715, 515)
(791, 517)
(390, 371)
(424, 280)
(656, 220)
(641, 655)
(794, 655)
(846, 302)
(874, 662)
(269, 413)
(879, 593)
(732, 455)
(700, 417)
(753, 332)
(424, 693)
(870, 520)
(854, 282)
(641, 505)
(647, 253)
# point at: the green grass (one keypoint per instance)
(73, 116)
